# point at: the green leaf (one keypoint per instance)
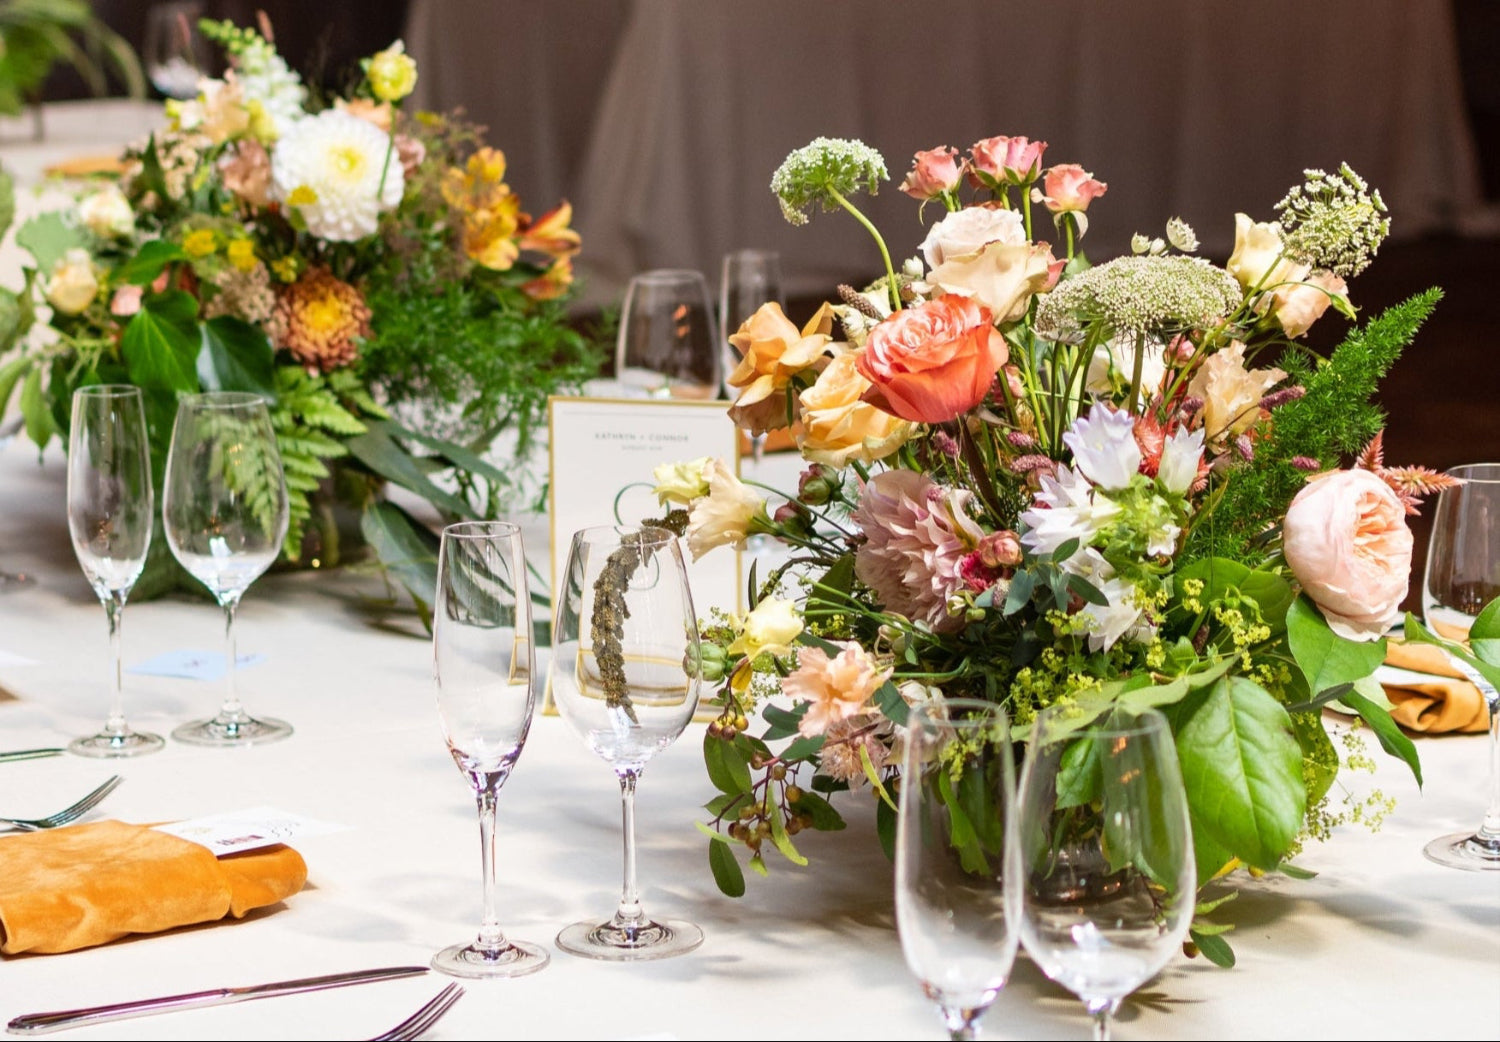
(727, 768)
(380, 452)
(722, 803)
(1392, 740)
(1271, 593)
(1208, 857)
(407, 549)
(1324, 657)
(782, 840)
(1318, 753)
(1079, 774)
(1065, 550)
(824, 817)
(1242, 768)
(149, 262)
(712, 833)
(1484, 635)
(453, 453)
(236, 356)
(10, 375)
(885, 828)
(726, 869)
(161, 343)
(1019, 594)
(1292, 871)
(1087, 591)
(47, 238)
(888, 698)
(784, 723)
(7, 202)
(1214, 948)
(804, 747)
(35, 410)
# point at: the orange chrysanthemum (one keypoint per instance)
(320, 319)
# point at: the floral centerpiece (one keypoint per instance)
(368, 270)
(1038, 481)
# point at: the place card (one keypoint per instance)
(242, 830)
(192, 664)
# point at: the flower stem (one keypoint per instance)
(885, 254)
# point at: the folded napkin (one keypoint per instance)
(83, 885)
(1443, 701)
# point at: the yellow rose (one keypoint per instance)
(393, 74)
(770, 627)
(73, 284)
(681, 483)
(838, 427)
(1231, 393)
(772, 351)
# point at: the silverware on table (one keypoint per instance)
(30, 754)
(418, 1024)
(40, 1023)
(68, 814)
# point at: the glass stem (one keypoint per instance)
(232, 711)
(1101, 1010)
(961, 1022)
(1489, 832)
(491, 938)
(114, 610)
(629, 914)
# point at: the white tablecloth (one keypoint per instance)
(1381, 944)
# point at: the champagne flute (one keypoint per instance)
(623, 629)
(748, 279)
(175, 52)
(1103, 854)
(483, 657)
(225, 510)
(957, 923)
(667, 346)
(1463, 575)
(110, 504)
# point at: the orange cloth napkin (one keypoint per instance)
(83, 885)
(1445, 702)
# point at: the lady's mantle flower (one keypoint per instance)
(321, 320)
(836, 688)
(1140, 295)
(820, 171)
(329, 167)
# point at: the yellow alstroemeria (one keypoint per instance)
(551, 235)
(552, 283)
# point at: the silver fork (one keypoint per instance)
(416, 1025)
(67, 815)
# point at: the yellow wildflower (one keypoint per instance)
(242, 254)
(199, 243)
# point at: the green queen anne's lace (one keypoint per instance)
(1334, 221)
(1144, 294)
(823, 170)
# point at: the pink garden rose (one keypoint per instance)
(933, 362)
(1346, 540)
(932, 173)
(1007, 160)
(1069, 188)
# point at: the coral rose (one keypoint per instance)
(1006, 160)
(1069, 188)
(933, 362)
(933, 173)
(772, 351)
(1346, 540)
(837, 426)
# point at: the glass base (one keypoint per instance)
(1464, 850)
(513, 959)
(109, 745)
(614, 943)
(243, 732)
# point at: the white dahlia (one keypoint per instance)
(328, 167)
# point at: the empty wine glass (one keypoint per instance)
(175, 52)
(623, 629)
(225, 510)
(749, 279)
(1103, 854)
(668, 344)
(1463, 575)
(956, 920)
(483, 657)
(110, 504)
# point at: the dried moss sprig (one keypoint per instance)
(607, 623)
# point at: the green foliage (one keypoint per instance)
(1336, 417)
(1326, 659)
(37, 34)
(310, 421)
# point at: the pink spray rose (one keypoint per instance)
(1006, 160)
(1346, 540)
(932, 173)
(1069, 188)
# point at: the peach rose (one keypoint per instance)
(772, 351)
(933, 173)
(1231, 393)
(837, 687)
(1069, 188)
(1346, 540)
(933, 362)
(1001, 276)
(837, 426)
(1006, 160)
(1298, 306)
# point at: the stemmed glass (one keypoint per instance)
(1463, 574)
(225, 510)
(483, 657)
(175, 52)
(623, 628)
(110, 503)
(668, 345)
(957, 923)
(749, 279)
(1103, 854)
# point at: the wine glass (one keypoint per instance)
(13, 582)
(110, 504)
(1463, 574)
(749, 279)
(225, 510)
(483, 657)
(667, 342)
(623, 628)
(1103, 854)
(175, 52)
(957, 923)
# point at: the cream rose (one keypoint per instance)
(837, 426)
(73, 284)
(725, 515)
(1297, 307)
(970, 230)
(770, 627)
(1001, 276)
(1231, 393)
(1257, 258)
(1346, 540)
(681, 482)
(107, 214)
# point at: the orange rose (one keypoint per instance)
(933, 362)
(772, 352)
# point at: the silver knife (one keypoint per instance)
(41, 1023)
(30, 754)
